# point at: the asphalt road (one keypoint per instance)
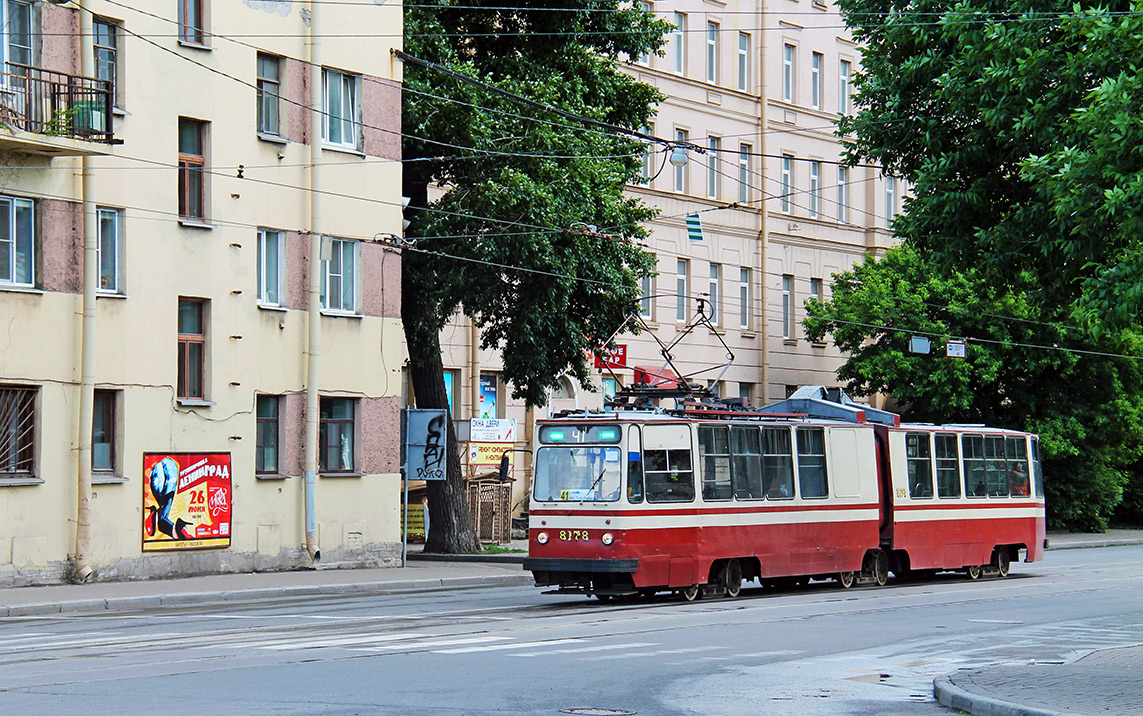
(809, 650)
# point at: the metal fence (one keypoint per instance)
(55, 103)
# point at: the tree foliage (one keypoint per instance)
(1027, 369)
(1018, 124)
(519, 213)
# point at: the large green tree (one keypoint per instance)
(1018, 124)
(518, 212)
(1027, 368)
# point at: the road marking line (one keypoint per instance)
(335, 641)
(442, 642)
(585, 649)
(501, 647)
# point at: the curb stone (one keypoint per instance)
(954, 697)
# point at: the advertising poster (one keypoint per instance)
(487, 396)
(186, 501)
(490, 453)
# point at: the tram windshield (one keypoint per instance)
(578, 473)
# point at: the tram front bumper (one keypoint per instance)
(595, 566)
(584, 576)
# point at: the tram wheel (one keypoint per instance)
(732, 578)
(692, 592)
(973, 571)
(845, 579)
(880, 568)
(1001, 561)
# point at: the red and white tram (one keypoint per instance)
(698, 499)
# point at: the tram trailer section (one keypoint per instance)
(812, 487)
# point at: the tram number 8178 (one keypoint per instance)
(574, 536)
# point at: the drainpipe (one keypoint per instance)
(474, 367)
(83, 569)
(764, 216)
(314, 347)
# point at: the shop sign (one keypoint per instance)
(489, 453)
(612, 358)
(492, 430)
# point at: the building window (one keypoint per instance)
(789, 53)
(843, 87)
(681, 137)
(341, 118)
(191, 24)
(788, 307)
(106, 45)
(816, 289)
(744, 299)
(645, 58)
(787, 181)
(890, 199)
(192, 349)
(745, 170)
(815, 189)
(715, 294)
(646, 302)
(103, 457)
(712, 52)
(17, 431)
(339, 281)
(681, 270)
(17, 241)
(843, 194)
(744, 61)
(816, 61)
(109, 250)
(271, 267)
(648, 169)
(269, 91)
(266, 445)
(746, 395)
(192, 169)
(336, 439)
(713, 168)
(679, 42)
(15, 32)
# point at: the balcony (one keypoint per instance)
(54, 114)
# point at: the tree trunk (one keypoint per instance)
(451, 530)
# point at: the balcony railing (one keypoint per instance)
(55, 104)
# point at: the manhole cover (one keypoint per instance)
(597, 712)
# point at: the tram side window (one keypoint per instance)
(1037, 471)
(1016, 451)
(918, 454)
(812, 463)
(746, 463)
(777, 464)
(948, 467)
(634, 469)
(974, 473)
(995, 466)
(714, 456)
(669, 475)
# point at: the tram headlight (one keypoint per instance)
(607, 539)
(542, 537)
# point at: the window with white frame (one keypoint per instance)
(337, 430)
(645, 58)
(682, 136)
(109, 249)
(682, 269)
(843, 87)
(17, 241)
(744, 61)
(646, 300)
(17, 430)
(648, 169)
(339, 280)
(787, 182)
(789, 56)
(271, 267)
(745, 170)
(787, 307)
(843, 193)
(714, 292)
(713, 166)
(815, 189)
(712, 30)
(816, 61)
(744, 299)
(679, 43)
(341, 109)
(15, 32)
(269, 93)
(890, 199)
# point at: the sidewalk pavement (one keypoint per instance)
(1102, 682)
